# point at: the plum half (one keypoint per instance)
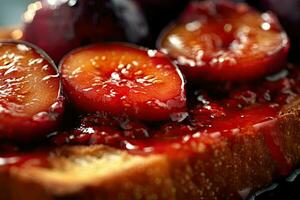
(288, 14)
(119, 78)
(30, 97)
(224, 41)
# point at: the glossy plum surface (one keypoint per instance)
(289, 16)
(30, 99)
(123, 79)
(223, 41)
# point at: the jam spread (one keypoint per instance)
(223, 111)
(37, 158)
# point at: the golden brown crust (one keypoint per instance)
(232, 167)
(137, 177)
(227, 168)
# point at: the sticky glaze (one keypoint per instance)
(222, 41)
(214, 114)
(30, 92)
(118, 78)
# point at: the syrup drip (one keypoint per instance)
(273, 141)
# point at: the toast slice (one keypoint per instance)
(218, 168)
(96, 172)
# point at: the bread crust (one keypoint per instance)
(137, 177)
(220, 168)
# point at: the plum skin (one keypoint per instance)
(61, 26)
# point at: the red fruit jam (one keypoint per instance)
(213, 114)
(37, 158)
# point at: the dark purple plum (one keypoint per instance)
(159, 13)
(58, 26)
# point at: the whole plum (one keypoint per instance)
(160, 13)
(58, 26)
